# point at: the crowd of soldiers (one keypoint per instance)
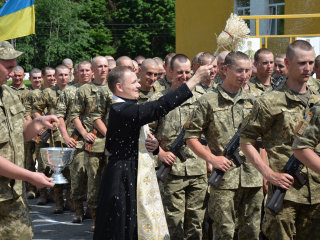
(261, 94)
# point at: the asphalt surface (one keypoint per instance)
(47, 225)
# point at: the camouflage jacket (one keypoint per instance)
(201, 89)
(22, 92)
(162, 84)
(313, 84)
(258, 87)
(218, 117)
(89, 106)
(274, 118)
(31, 98)
(66, 99)
(309, 137)
(11, 142)
(167, 130)
(144, 95)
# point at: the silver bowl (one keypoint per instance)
(57, 159)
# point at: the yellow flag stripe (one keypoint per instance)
(18, 24)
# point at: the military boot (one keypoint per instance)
(32, 190)
(43, 198)
(58, 198)
(78, 207)
(93, 215)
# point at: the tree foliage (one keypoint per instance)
(81, 30)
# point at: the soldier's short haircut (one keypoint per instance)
(67, 61)
(258, 53)
(282, 55)
(45, 69)
(116, 75)
(111, 62)
(196, 57)
(83, 63)
(317, 61)
(301, 44)
(222, 56)
(95, 59)
(178, 58)
(139, 58)
(205, 58)
(148, 62)
(18, 69)
(159, 61)
(33, 71)
(120, 61)
(61, 67)
(168, 59)
(232, 57)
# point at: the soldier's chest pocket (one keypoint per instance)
(290, 119)
(17, 117)
(91, 104)
(3, 127)
(186, 112)
(222, 116)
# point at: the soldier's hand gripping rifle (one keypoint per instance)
(231, 152)
(177, 151)
(292, 167)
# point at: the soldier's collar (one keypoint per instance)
(292, 96)
(224, 94)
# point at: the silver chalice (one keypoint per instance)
(57, 159)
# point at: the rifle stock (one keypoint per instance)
(231, 152)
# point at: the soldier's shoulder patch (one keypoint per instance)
(303, 124)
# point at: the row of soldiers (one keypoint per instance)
(216, 110)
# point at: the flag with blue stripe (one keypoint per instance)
(17, 19)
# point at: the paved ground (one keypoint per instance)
(49, 226)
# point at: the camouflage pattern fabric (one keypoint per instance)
(274, 118)
(15, 221)
(295, 221)
(184, 206)
(255, 84)
(162, 84)
(201, 89)
(87, 107)
(241, 206)
(218, 117)
(12, 143)
(22, 92)
(145, 95)
(78, 176)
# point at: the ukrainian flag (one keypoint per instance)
(17, 19)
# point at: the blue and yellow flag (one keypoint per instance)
(17, 19)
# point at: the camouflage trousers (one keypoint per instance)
(29, 150)
(184, 206)
(295, 221)
(15, 222)
(86, 168)
(236, 208)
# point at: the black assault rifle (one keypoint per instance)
(292, 167)
(231, 152)
(176, 150)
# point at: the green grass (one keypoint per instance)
(25, 82)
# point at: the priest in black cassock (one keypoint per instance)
(129, 199)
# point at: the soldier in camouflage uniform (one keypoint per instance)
(165, 83)
(148, 76)
(67, 129)
(85, 111)
(218, 115)
(15, 222)
(264, 63)
(206, 84)
(17, 83)
(47, 103)
(275, 118)
(49, 77)
(220, 75)
(186, 184)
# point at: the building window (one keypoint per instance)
(243, 9)
(276, 26)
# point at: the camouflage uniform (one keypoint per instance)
(162, 84)
(88, 107)
(201, 89)
(239, 195)
(22, 91)
(14, 217)
(274, 119)
(145, 95)
(186, 184)
(217, 80)
(258, 88)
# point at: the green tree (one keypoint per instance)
(143, 27)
